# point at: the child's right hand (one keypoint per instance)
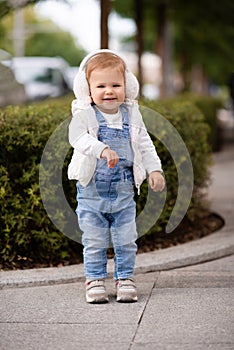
(111, 157)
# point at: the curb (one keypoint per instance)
(214, 246)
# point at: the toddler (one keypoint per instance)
(112, 153)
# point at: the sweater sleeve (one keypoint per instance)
(82, 136)
(150, 159)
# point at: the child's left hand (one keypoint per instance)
(156, 181)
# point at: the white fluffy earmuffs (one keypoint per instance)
(81, 88)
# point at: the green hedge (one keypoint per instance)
(189, 122)
(208, 106)
(27, 233)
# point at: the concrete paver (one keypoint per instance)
(60, 313)
(190, 308)
(185, 316)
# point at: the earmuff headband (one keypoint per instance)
(81, 88)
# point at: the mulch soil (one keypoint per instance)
(186, 231)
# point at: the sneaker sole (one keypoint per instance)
(98, 300)
(127, 300)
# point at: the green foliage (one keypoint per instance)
(204, 37)
(203, 32)
(27, 233)
(6, 6)
(53, 44)
(208, 106)
(190, 124)
(48, 40)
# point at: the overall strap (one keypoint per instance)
(124, 112)
(99, 116)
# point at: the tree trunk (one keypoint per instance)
(105, 11)
(164, 48)
(139, 40)
(199, 82)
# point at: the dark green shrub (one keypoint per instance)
(27, 233)
(208, 106)
(189, 122)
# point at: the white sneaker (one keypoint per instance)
(126, 290)
(96, 292)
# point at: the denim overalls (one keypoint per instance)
(106, 207)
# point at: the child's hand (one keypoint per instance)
(111, 157)
(156, 181)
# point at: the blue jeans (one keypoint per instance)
(95, 262)
(102, 230)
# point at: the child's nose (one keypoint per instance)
(109, 90)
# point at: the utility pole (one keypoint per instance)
(19, 33)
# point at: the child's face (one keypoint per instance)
(107, 89)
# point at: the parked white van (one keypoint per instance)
(42, 77)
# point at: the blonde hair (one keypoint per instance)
(105, 60)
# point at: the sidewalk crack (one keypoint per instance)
(142, 314)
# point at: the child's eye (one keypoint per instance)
(100, 86)
(116, 85)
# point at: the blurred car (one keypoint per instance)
(42, 77)
(70, 75)
(11, 92)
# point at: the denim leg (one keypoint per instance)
(95, 227)
(95, 263)
(125, 257)
(95, 239)
(124, 234)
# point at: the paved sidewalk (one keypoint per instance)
(188, 308)
(186, 295)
